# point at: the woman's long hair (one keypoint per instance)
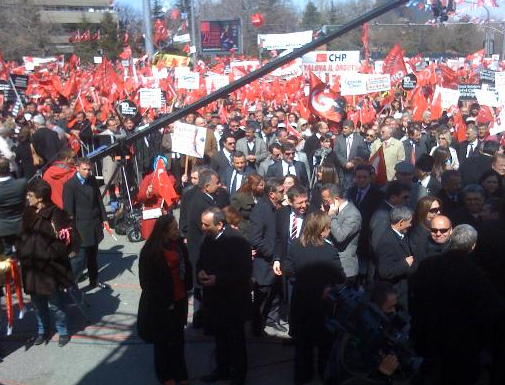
(315, 223)
(440, 156)
(252, 181)
(154, 244)
(422, 209)
(328, 174)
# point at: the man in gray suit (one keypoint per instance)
(346, 150)
(275, 155)
(12, 199)
(253, 147)
(345, 228)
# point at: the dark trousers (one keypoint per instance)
(88, 256)
(231, 354)
(169, 359)
(266, 304)
(304, 359)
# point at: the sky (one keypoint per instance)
(496, 13)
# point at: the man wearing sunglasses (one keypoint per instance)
(439, 240)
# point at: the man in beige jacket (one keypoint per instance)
(393, 150)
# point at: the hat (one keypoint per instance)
(39, 119)
(404, 168)
(425, 163)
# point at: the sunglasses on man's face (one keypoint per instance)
(436, 231)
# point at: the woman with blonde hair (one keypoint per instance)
(312, 263)
(444, 140)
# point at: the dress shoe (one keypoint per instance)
(214, 376)
(63, 340)
(277, 327)
(100, 285)
(40, 339)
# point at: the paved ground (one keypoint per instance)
(108, 351)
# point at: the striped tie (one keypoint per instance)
(294, 228)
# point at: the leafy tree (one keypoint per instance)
(109, 42)
(311, 18)
(157, 10)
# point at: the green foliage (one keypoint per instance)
(311, 18)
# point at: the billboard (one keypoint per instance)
(220, 36)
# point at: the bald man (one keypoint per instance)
(440, 235)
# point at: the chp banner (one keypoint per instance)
(331, 61)
(284, 40)
(188, 139)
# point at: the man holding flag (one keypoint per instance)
(393, 150)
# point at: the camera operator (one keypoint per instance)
(350, 360)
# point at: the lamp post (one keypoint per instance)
(146, 11)
(487, 40)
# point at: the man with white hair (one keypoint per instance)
(6, 146)
(394, 151)
(45, 141)
(453, 307)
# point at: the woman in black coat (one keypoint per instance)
(427, 208)
(165, 278)
(311, 264)
(46, 241)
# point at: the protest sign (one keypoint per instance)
(150, 97)
(215, 82)
(190, 81)
(467, 91)
(409, 82)
(127, 109)
(331, 61)
(188, 139)
(182, 38)
(487, 98)
(448, 97)
(499, 81)
(284, 40)
(361, 84)
(487, 76)
(378, 83)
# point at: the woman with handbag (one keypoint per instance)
(165, 277)
(46, 241)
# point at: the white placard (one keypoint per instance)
(182, 38)
(331, 61)
(293, 68)
(378, 65)
(284, 40)
(179, 71)
(190, 81)
(487, 98)
(499, 81)
(361, 84)
(150, 97)
(215, 82)
(97, 59)
(449, 97)
(378, 83)
(188, 139)
(499, 123)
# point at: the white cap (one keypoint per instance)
(39, 119)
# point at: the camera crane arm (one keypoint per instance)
(250, 77)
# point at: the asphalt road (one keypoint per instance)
(108, 351)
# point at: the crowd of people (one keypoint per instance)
(276, 211)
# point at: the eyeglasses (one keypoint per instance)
(434, 210)
(442, 231)
(231, 143)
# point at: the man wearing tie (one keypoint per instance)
(414, 146)
(288, 166)
(346, 149)
(234, 177)
(469, 147)
(288, 226)
(222, 160)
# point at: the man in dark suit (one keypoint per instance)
(367, 197)
(188, 193)
(471, 213)
(267, 287)
(428, 184)
(345, 228)
(312, 143)
(288, 166)
(449, 194)
(469, 147)
(289, 222)
(222, 160)
(224, 270)
(414, 146)
(397, 194)
(394, 259)
(12, 199)
(208, 184)
(236, 175)
(45, 141)
(474, 167)
(83, 202)
(347, 147)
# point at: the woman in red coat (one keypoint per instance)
(151, 196)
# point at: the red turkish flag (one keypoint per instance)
(436, 107)
(162, 185)
(379, 164)
(322, 100)
(476, 57)
(395, 65)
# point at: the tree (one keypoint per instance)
(109, 42)
(157, 11)
(312, 18)
(22, 32)
(130, 22)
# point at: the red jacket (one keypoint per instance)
(57, 175)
